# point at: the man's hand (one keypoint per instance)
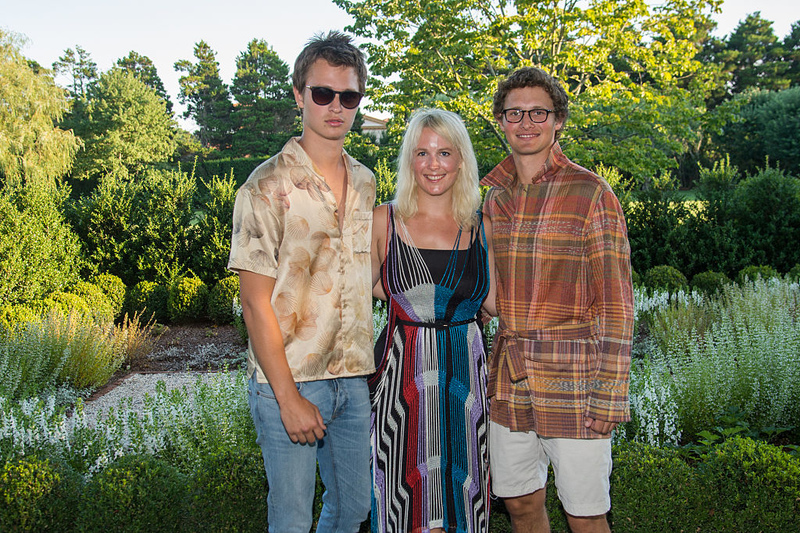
(602, 427)
(302, 420)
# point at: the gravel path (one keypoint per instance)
(135, 387)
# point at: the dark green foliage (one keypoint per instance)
(213, 224)
(149, 299)
(220, 300)
(767, 218)
(39, 253)
(709, 282)
(114, 288)
(654, 225)
(794, 273)
(100, 306)
(753, 272)
(135, 493)
(138, 228)
(229, 493)
(751, 486)
(665, 277)
(38, 495)
(767, 129)
(653, 489)
(636, 278)
(238, 168)
(187, 300)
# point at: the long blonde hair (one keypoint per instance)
(466, 197)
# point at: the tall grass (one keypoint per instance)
(72, 350)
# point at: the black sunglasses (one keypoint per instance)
(324, 96)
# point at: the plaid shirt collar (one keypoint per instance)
(504, 175)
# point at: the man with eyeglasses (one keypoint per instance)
(301, 240)
(559, 371)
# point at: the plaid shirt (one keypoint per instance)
(565, 300)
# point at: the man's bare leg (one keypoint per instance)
(588, 524)
(528, 513)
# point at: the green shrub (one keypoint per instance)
(39, 252)
(100, 306)
(148, 299)
(710, 282)
(229, 488)
(187, 299)
(753, 272)
(135, 493)
(221, 298)
(794, 273)
(37, 495)
(751, 486)
(766, 210)
(665, 277)
(648, 484)
(636, 278)
(114, 288)
(11, 315)
(211, 239)
(66, 303)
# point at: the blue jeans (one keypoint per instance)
(343, 456)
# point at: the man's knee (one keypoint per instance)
(532, 504)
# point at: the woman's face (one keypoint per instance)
(436, 163)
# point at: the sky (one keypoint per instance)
(167, 30)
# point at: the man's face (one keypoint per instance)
(526, 137)
(331, 121)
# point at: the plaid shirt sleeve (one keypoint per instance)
(610, 271)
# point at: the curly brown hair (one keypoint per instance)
(532, 77)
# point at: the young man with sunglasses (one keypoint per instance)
(301, 246)
(559, 372)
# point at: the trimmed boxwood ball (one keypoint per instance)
(148, 299)
(753, 272)
(99, 304)
(114, 288)
(187, 299)
(665, 277)
(134, 493)
(220, 300)
(66, 303)
(710, 282)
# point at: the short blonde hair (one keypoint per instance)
(466, 191)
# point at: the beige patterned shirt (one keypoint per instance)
(285, 226)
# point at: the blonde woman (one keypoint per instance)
(431, 260)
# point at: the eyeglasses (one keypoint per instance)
(536, 115)
(324, 96)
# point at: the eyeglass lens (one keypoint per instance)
(324, 96)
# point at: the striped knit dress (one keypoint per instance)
(429, 407)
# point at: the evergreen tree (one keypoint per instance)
(144, 69)
(206, 97)
(79, 66)
(265, 110)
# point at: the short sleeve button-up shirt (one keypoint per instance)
(285, 226)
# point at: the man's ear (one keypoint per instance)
(298, 97)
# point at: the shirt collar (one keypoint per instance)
(504, 175)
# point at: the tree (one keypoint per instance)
(79, 66)
(206, 97)
(31, 146)
(637, 90)
(791, 54)
(264, 116)
(144, 69)
(752, 56)
(124, 125)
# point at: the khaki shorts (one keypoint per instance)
(518, 463)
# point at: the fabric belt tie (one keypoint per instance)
(436, 324)
(507, 344)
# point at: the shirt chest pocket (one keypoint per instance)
(362, 232)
